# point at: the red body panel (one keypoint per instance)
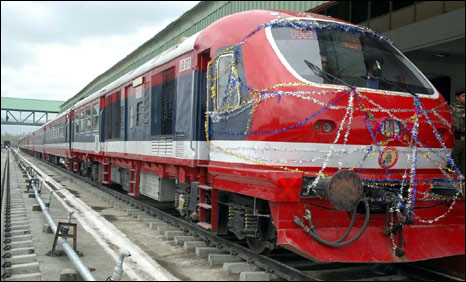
(421, 241)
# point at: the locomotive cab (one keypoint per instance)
(331, 126)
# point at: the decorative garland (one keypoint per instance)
(408, 134)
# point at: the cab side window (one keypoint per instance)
(228, 94)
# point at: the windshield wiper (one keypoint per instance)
(407, 90)
(319, 72)
(391, 83)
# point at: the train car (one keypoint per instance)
(146, 127)
(23, 141)
(285, 129)
(7, 143)
(57, 140)
(34, 142)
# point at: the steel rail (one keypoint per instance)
(5, 196)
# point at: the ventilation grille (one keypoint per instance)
(180, 138)
(163, 146)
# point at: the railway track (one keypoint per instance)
(19, 261)
(234, 257)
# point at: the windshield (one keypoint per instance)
(351, 57)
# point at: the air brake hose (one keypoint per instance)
(311, 230)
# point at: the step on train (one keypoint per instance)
(286, 129)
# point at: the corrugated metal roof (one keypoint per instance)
(191, 22)
(19, 104)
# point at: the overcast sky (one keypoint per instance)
(52, 50)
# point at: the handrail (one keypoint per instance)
(72, 255)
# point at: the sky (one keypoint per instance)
(52, 50)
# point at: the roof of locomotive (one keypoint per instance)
(231, 29)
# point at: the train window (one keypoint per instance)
(146, 103)
(83, 121)
(138, 91)
(116, 105)
(88, 119)
(76, 123)
(335, 56)
(227, 92)
(131, 116)
(108, 116)
(95, 118)
(168, 101)
(139, 113)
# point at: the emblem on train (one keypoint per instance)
(389, 157)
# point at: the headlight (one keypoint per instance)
(327, 127)
(391, 128)
(324, 126)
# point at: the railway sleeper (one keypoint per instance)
(215, 257)
(19, 259)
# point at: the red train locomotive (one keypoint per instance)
(285, 129)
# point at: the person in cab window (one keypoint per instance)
(327, 73)
(324, 61)
(374, 72)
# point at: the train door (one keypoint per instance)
(72, 130)
(199, 107)
(68, 133)
(124, 118)
(108, 124)
(44, 140)
(224, 95)
(95, 108)
(112, 122)
(163, 104)
(102, 123)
